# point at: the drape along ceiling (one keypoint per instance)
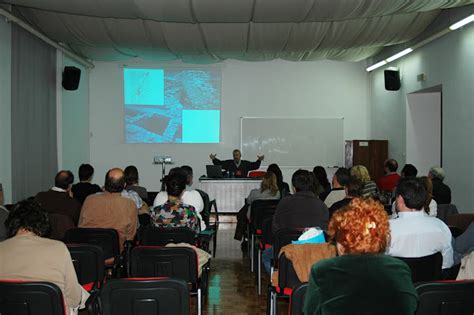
(203, 31)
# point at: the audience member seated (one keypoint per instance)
(131, 181)
(339, 181)
(175, 213)
(190, 196)
(110, 210)
(237, 167)
(58, 199)
(302, 209)
(352, 190)
(369, 188)
(322, 178)
(84, 188)
(361, 280)
(28, 256)
(268, 190)
(414, 233)
(389, 181)
(441, 191)
(283, 187)
(430, 206)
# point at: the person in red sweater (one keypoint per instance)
(389, 181)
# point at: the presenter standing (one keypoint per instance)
(237, 167)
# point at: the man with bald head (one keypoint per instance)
(58, 202)
(110, 210)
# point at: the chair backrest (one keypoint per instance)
(284, 237)
(173, 262)
(107, 239)
(445, 210)
(160, 236)
(30, 298)
(462, 220)
(261, 209)
(445, 298)
(88, 262)
(287, 277)
(206, 210)
(145, 297)
(60, 223)
(297, 299)
(267, 234)
(426, 268)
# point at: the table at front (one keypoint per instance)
(229, 193)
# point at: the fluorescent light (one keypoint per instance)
(400, 54)
(377, 65)
(463, 22)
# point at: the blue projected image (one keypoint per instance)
(144, 86)
(201, 126)
(188, 113)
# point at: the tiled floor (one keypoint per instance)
(232, 288)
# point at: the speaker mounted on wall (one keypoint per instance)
(71, 78)
(392, 80)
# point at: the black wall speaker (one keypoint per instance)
(392, 80)
(71, 78)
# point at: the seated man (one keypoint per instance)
(84, 188)
(58, 199)
(110, 210)
(414, 233)
(339, 181)
(441, 191)
(352, 190)
(389, 181)
(237, 167)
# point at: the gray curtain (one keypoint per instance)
(34, 149)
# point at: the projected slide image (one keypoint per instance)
(172, 105)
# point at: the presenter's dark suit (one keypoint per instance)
(360, 284)
(240, 171)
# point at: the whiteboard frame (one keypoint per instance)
(296, 117)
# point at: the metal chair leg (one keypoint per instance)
(259, 272)
(199, 301)
(252, 249)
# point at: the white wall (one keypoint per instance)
(75, 121)
(447, 61)
(275, 88)
(5, 109)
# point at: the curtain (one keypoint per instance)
(33, 122)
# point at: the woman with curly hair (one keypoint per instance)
(28, 255)
(361, 280)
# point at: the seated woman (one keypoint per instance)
(174, 213)
(27, 255)
(283, 187)
(370, 187)
(324, 185)
(361, 280)
(268, 190)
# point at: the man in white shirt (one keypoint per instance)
(339, 181)
(414, 233)
(190, 196)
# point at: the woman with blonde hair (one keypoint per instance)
(362, 279)
(369, 188)
(268, 190)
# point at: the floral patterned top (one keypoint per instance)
(175, 214)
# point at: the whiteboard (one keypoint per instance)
(293, 142)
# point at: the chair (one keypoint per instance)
(160, 236)
(88, 261)
(426, 268)
(259, 210)
(150, 296)
(461, 221)
(30, 298)
(256, 174)
(174, 262)
(445, 298)
(211, 227)
(455, 231)
(446, 210)
(297, 299)
(107, 239)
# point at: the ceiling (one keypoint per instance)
(206, 31)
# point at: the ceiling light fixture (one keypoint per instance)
(399, 55)
(461, 23)
(377, 65)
